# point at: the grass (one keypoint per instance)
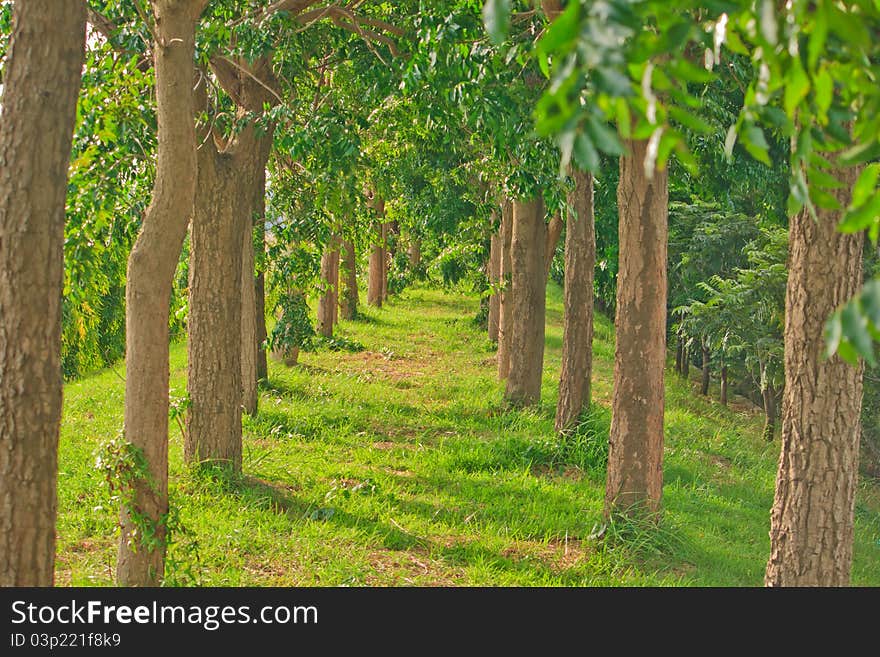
(399, 465)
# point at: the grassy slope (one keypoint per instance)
(398, 465)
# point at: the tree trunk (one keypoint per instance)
(248, 343)
(327, 304)
(42, 79)
(374, 280)
(811, 528)
(228, 175)
(415, 253)
(213, 424)
(577, 344)
(505, 299)
(253, 310)
(260, 280)
(724, 384)
(387, 231)
(554, 231)
(704, 383)
(529, 297)
(151, 267)
(685, 363)
(768, 395)
(679, 353)
(635, 458)
(494, 276)
(348, 296)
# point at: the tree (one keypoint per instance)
(229, 168)
(494, 280)
(635, 457)
(348, 293)
(529, 296)
(328, 302)
(812, 519)
(151, 269)
(41, 83)
(378, 258)
(505, 297)
(577, 345)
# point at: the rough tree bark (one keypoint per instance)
(213, 423)
(348, 294)
(228, 172)
(415, 253)
(260, 279)
(577, 344)
(554, 231)
(529, 297)
(151, 268)
(768, 396)
(723, 383)
(811, 527)
(376, 273)
(635, 458)
(494, 277)
(704, 381)
(505, 298)
(327, 304)
(42, 80)
(248, 347)
(388, 229)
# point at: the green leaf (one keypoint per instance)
(848, 353)
(613, 82)
(682, 69)
(624, 117)
(870, 299)
(819, 34)
(690, 120)
(799, 194)
(668, 141)
(735, 44)
(585, 154)
(496, 18)
(833, 334)
(544, 64)
(824, 86)
(674, 35)
(866, 185)
(855, 330)
(605, 139)
(863, 152)
(796, 87)
(862, 217)
(561, 34)
(822, 179)
(823, 199)
(687, 158)
(756, 144)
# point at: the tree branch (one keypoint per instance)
(107, 28)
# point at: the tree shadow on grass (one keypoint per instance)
(287, 389)
(368, 318)
(252, 491)
(271, 423)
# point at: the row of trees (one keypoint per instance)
(413, 125)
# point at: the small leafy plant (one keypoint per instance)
(294, 329)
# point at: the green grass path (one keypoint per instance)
(398, 465)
